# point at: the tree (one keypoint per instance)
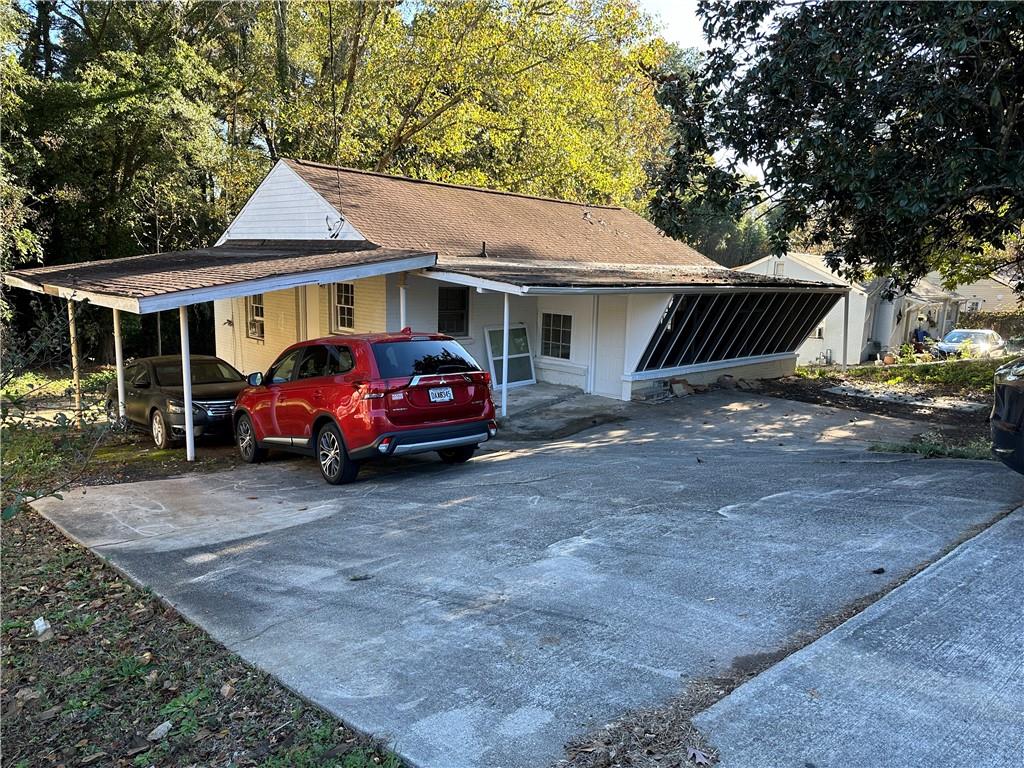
(889, 134)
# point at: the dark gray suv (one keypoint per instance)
(154, 398)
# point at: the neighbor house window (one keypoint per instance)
(343, 306)
(254, 316)
(818, 333)
(555, 335)
(453, 310)
(973, 306)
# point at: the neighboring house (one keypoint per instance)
(990, 294)
(876, 324)
(597, 297)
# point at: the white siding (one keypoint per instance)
(574, 371)
(284, 207)
(813, 350)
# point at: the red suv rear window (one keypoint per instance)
(422, 357)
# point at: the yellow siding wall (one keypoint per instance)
(370, 313)
(280, 329)
(283, 325)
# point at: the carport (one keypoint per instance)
(177, 279)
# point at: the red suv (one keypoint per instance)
(345, 399)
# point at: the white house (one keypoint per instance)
(591, 291)
(550, 290)
(876, 324)
(994, 293)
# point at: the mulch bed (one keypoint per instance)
(120, 663)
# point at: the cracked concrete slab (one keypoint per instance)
(931, 675)
(482, 615)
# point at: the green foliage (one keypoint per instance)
(1009, 325)
(888, 132)
(951, 375)
(934, 445)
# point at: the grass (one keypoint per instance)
(934, 445)
(947, 376)
(120, 663)
(55, 383)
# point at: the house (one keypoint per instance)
(876, 324)
(550, 290)
(994, 293)
(592, 291)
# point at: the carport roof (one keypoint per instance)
(160, 281)
(536, 277)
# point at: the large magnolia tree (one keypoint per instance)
(890, 134)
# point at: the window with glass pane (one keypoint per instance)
(343, 306)
(254, 316)
(453, 310)
(555, 335)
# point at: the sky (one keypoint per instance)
(678, 19)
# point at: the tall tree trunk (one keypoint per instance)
(281, 46)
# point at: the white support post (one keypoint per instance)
(846, 327)
(119, 360)
(402, 298)
(592, 368)
(504, 360)
(186, 385)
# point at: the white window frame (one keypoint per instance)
(491, 358)
(540, 335)
(818, 333)
(254, 318)
(335, 304)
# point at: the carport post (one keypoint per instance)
(846, 326)
(186, 385)
(401, 302)
(75, 374)
(504, 361)
(119, 360)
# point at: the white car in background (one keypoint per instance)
(970, 342)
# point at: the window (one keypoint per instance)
(314, 363)
(520, 359)
(974, 306)
(339, 360)
(202, 372)
(779, 268)
(343, 307)
(818, 333)
(453, 310)
(254, 316)
(281, 371)
(424, 357)
(555, 335)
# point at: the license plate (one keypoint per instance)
(441, 395)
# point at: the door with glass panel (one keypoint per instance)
(520, 359)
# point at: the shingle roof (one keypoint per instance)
(546, 274)
(399, 212)
(237, 262)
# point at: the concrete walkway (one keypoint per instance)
(932, 675)
(485, 614)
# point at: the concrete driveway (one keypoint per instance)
(482, 615)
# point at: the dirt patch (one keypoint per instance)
(125, 681)
(957, 427)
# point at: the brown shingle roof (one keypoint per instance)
(399, 212)
(611, 276)
(236, 262)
